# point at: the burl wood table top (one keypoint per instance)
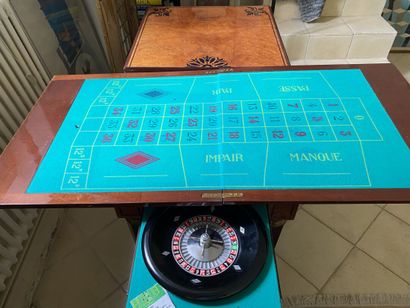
(179, 38)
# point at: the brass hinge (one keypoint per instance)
(222, 195)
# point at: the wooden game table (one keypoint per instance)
(186, 38)
(21, 158)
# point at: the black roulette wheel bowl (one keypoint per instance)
(249, 262)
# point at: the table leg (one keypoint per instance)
(273, 5)
(279, 213)
(133, 216)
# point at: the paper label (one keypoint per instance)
(154, 297)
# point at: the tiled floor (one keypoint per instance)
(346, 249)
(89, 262)
(402, 62)
(327, 249)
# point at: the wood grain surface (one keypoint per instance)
(180, 38)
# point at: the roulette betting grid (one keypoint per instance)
(269, 130)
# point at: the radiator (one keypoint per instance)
(22, 79)
(15, 230)
(22, 75)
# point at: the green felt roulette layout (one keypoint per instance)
(268, 130)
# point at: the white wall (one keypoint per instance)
(84, 12)
(91, 6)
(40, 33)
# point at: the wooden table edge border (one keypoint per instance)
(224, 196)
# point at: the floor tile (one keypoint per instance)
(92, 220)
(363, 7)
(349, 220)
(326, 62)
(295, 46)
(329, 26)
(371, 46)
(298, 62)
(292, 283)
(125, 286)
(333, 7)
(388, 241)
(67, 238)
(311, 248)
(360, 274)
(369, 25)
(402, 211)
(292, 27)
(328, 47)
(116, 299)
(367, 61)
(286, 9)
(115, 247)
(80, 280)
(402, 62)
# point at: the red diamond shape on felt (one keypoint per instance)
(137, 160)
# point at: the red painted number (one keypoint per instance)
(278, 134)
(212, 135)
(107, 138)
(345, 133)
(233, 135)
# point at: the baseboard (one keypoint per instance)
(347, 300)
(400, 50)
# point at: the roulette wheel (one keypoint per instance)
(205, 253)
